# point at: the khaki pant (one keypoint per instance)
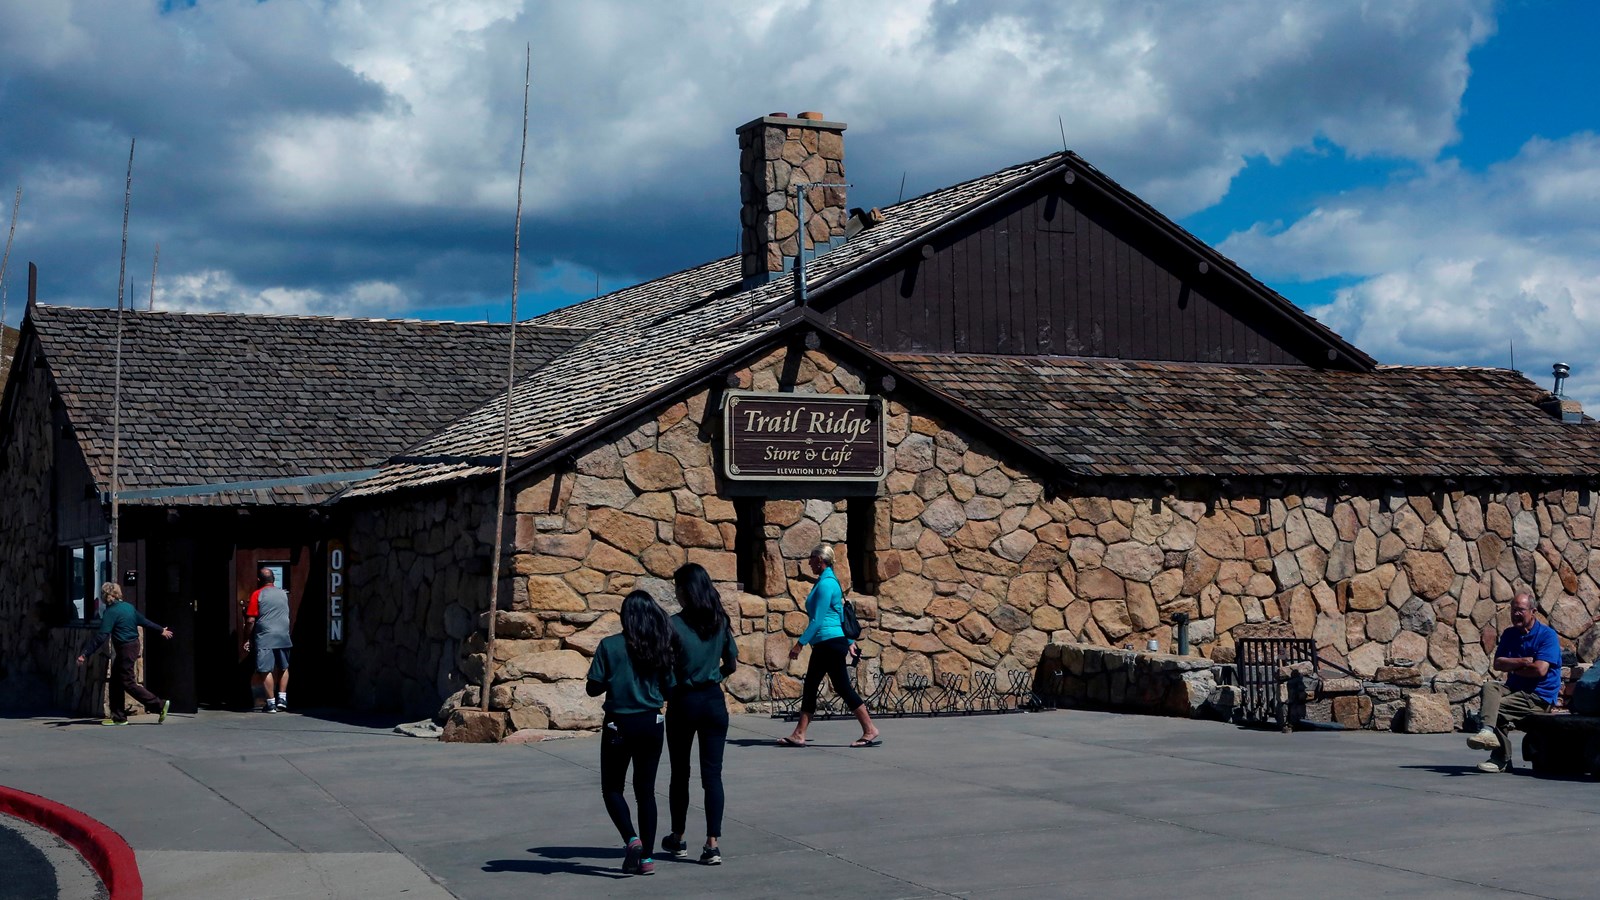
(1502, 709)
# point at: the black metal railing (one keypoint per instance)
(952, 694)
(1257, 661)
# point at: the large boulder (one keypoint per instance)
(565, 704)
(474, 726)
(1428, 714)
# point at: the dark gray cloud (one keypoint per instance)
(344, 157)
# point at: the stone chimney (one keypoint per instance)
(775, 153)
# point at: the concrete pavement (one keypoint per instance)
(1050, 804)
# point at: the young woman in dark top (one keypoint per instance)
(706, 655)
(634, 670)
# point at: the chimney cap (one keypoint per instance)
(812, 114)
(785, 121)
(1561, 370)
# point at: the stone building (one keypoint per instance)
(1027, 409)
(236, 431)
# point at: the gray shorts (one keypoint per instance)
(269, 659)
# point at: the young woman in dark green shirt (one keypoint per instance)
(706, 655)
(634, 670)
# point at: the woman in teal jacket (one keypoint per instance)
(829, 650)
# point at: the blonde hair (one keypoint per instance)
(110, 591)
(823, 552)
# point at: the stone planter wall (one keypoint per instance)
(1138, 681)
(976, 567)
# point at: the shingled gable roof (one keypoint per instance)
(1119, 418)
(1085, 178)
(211, 398)
(650, 337)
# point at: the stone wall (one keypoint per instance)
(1138, 681)
(418, 580)
(1394, 699)
(37, 667)
(974, 566)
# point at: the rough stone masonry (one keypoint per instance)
(977, 567)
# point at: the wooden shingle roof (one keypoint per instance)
(650, 335)
(223, 397)
(1118, 418)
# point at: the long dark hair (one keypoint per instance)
(702, 605)
(647, 633)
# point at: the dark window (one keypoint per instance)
(861, 536)
(83, 569)
(750, 543)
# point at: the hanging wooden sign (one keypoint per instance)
(802, 437)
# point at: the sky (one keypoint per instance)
(1421, 175)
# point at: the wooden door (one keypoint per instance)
(168, 585)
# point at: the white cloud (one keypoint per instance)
(217, 291)
(1453, 267)
(366, 141)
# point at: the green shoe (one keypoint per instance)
(113, 721)
(165, 705)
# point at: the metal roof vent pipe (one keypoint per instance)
(1557, 405)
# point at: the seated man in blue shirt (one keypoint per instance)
(1530, 654)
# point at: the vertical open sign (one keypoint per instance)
(335, 593)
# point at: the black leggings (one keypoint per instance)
(632, 738)
(828, 658)
(699, 711)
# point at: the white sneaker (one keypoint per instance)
(283, 705)
(1492, 767)
(1485, 739)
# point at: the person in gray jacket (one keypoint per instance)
(267, 623)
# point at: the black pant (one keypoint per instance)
(123, 681)
(699, 711)
(633, 738)
(828, 658)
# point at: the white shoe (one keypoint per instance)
(1492, 767)
(1485, 739)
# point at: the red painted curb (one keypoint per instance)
(104, 849)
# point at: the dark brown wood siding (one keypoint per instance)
(1046, 275)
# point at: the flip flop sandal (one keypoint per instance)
(875, 742)
(790, 742)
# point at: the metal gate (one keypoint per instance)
(1258, 660)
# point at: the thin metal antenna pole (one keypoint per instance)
(902, 194)
(800, 242)
(116, 378)
(154, 268)
(511, 379)
(1063, 126)
(5, 262)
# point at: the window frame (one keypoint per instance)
(85, 565)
